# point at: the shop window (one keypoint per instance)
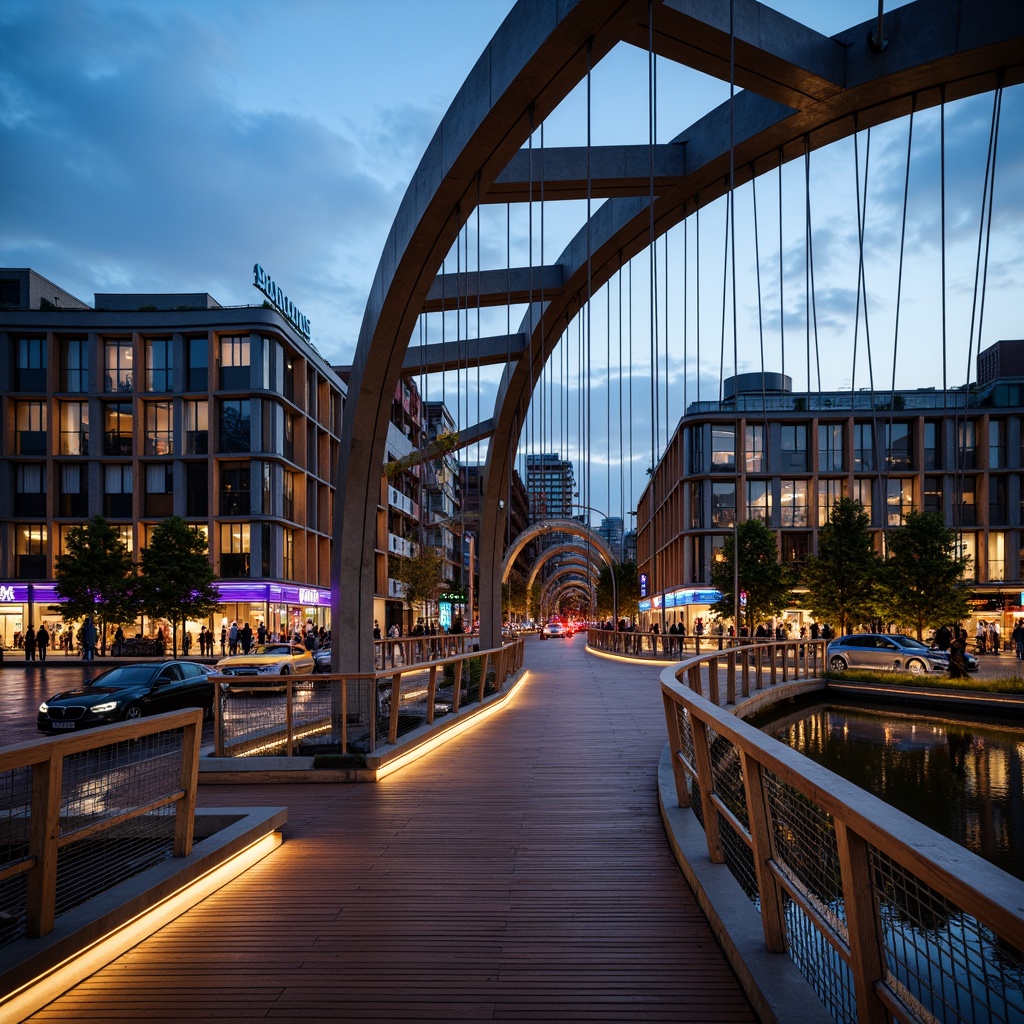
(234, 363)
(234, 550)
(235, 429)
(30, 370)
(30, 428)
(118, 365)
(159, 365)
(75, 365)
(74, 428)
(118, 428)
(830, 448)
(159, 428)
(30, 552)
(73, 497)
(793, 503)
(117, 491)
(30, 489)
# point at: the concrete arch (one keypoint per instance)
(563, 580)
(570, 526)
(798, 86)
(570, 549)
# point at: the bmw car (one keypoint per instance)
(280, 659)
(889, 652)
(128, 692)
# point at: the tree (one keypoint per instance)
(924, 574)
(422, 575)
(177, 580)
(843, 579)
(513, 592)
(627, 590)
(96, 576)
(766, 583)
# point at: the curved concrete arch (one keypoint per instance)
(571, 526)
(563, 580)
(800, 86)
(571, 548)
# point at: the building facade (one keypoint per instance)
(767, 453)
(147, 406)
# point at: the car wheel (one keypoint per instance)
(915, 666)
(837, 663)
(132, 713)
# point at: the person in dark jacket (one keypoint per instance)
(30, 643)
(42, 641)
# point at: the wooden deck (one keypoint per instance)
(520, 873)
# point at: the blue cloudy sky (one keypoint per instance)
(168, 145)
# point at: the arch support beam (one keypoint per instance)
(493, 288)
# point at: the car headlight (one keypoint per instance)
(269, 670)
(43, 708)
(102, 709)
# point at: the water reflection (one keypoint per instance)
(961, 777)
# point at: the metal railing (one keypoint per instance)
(886, 919)
(82, 813)
(355, 712)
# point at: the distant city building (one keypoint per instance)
(612, 532)
(767, 453)
(551, 485)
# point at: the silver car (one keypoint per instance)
(889, 652)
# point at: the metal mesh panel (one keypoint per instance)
(15, 802)
(685, 732)
(727, 776)
(253, 721)
(820, 963)
(740, 860)
(941, 957)
(101, 784)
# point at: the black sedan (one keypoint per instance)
(128, 692)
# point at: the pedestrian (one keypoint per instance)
(42, 641)
(186, 643)
(118, 642)
(261, 633)
(1018, 638)
(89, 636)
(957, 662)
(233, 638)
(979, 636)
(943, 637)
(30, 643)
(245, 638)
(223, 640)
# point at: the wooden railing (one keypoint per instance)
(328, 707)
(886, 919)
(118, 777)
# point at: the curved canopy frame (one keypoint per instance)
(570, 526)
(802, 91)
(571, 551)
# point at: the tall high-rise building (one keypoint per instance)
(612, 532)
(551, 484)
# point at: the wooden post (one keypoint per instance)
(185, 812)
(706, 785)
(431, 693)
(773, 919)
(675, 746)
(396, 694)
(44, 832)
(288, 716)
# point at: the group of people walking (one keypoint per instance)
(36, 640)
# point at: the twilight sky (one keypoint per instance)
(168, 145)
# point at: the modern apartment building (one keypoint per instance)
(146, 406)
(768, 453)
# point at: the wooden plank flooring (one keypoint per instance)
(520, 873)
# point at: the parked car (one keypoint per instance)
(554, 630)
(280, 659)
(889, 652)
(322, 659)
(128, 692)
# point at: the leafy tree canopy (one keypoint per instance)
(422, 575)
(627, 581)
(766, 583)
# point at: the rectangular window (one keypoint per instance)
(118, 364)
(198, 364)
(159, 365)
(996, 556)
(289, 437)
(933, 494)
(234, 489)
(996, 444)
(759, 500)
(723, 448)
(967, 545)
(159, 497)
(117, 491)
(794, 447)
(793, 501)
(159, 428)
(234, 363)
(723, 504)
(30, 489)
(863, 448)
(235, 428)
(967, 454)
(967, 506)
(75, 368)
(860, 491)
(899, 499)
(829, 492)
(197, 490)
(31, 365)
(30, 552)
(931, 453)
(753, 448)
(898, 446)
(118, 427)
(288, 555)
(830, 448)
(696, 449)
(288, 508)
(30, 428)
(795, 547)
(197, 427)
(696, 505)
(234, 550)
(997, 501)
(73, 498)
